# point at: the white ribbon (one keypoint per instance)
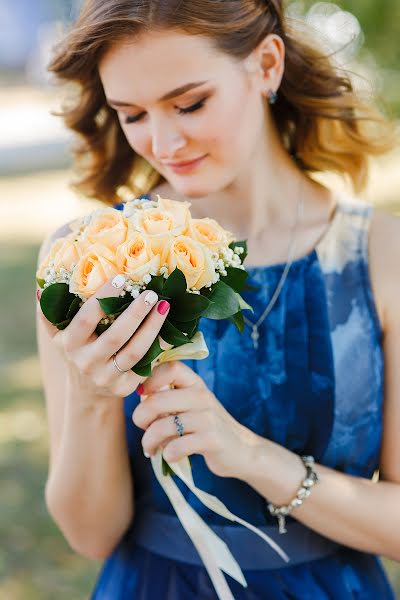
(213, 551)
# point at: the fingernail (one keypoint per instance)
(38, 294)
(150, 298)
(118, 281)
(163, 307)
(147, 455)
(140, 389)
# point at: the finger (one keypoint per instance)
(181, 447)
(165, 429)
(50, 328)
(121, 331)
(158, 404)
(140, 342)
(84, 323)
(174, 373)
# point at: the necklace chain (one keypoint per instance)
(254, 326)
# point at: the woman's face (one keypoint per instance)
(220, 120)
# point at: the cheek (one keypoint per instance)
(138, 139)
(237, 129)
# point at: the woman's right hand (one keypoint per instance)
(90, 357)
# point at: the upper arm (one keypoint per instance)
(385, 278)
(52, 365)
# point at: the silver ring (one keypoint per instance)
(116, 365)
(179, 425)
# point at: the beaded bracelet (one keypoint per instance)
(304, 491)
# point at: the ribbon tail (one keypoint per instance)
(183, 470)
(213, 551)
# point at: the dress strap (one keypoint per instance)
(346, 241)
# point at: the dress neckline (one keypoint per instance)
(307, 257)
(302, 259)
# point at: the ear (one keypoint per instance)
(267, 63)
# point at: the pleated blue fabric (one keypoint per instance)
(315, 386)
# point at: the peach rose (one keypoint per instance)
(41, 272)
(135, 257)
(178, 209)
(192, 258)
(162, 223)
(70, 252)
(210, 233)
(94, 269)
(65, 252)
(107, 227)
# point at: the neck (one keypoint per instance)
(262, 200)
(258, 200)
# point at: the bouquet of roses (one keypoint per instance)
(193, 263)
(196, 266)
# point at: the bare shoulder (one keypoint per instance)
(384, 259)
(384, 251)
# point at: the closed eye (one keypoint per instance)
(182, 111)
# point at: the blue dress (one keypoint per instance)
(315, 386)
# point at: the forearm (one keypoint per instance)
(353, 511)
(89, 491)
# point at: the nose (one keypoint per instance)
(166, 140)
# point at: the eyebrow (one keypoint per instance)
(177, 92)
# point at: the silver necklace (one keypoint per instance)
(254, 326)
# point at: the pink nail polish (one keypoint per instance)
(163, 307)
(38, 294)
(140, 389)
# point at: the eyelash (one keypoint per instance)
(182, 111)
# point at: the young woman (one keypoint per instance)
(225, 104)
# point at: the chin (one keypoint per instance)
(190, 188)
(199, 186)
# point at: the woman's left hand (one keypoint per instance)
(208, 428)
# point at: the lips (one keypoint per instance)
(185, 163)
(184, 168)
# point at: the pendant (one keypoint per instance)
(282, 522)
(254, 336)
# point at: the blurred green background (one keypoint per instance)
(35, 561)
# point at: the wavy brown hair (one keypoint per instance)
(320, 117)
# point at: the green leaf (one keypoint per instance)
(55, 302)
(112, 305)
(142, 371)
(74, 308)
(125, 306)
(243, 304)
(189, 307)
(151, 354)
(102, 327)
(190, 327)
(168, 470)
(157, 284)
(176, 284)
(238, 321)
(40, 282)
(63, 324)
(172, 335)
(206, 291)
(242, 244)
(235, 278)
(225, 302)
